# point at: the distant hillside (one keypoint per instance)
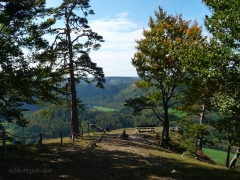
(104, 108)
(115, 91)
(120, 80)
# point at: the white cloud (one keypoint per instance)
(122, 15)
(114, 63)
(207, 34)
(116, 52)
(119, 34)
(117, 40)
(114, 24)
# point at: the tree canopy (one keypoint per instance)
(71, 49)
(224, 21)
(21, 39)
(224, 26)
(31, 69)
(163, 62)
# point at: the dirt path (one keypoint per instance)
(102, 156)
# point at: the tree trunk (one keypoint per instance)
(166, 124)
(201, 122)
(163, 134)
(74, 108)
(228, 155)
(234, 159)
(167, 132)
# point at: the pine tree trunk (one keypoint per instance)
(74, 113)
(234, 159)
(74, 108)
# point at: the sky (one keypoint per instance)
(121, 23)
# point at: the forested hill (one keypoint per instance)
(103, 108)
(116, 90)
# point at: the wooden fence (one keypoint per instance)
(40, 135)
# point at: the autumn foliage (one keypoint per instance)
(164, 61)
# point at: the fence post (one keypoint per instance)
(40, 141)
(4, 144)
(61, 138)
(73, 137)
(88, 129)
(82, 133)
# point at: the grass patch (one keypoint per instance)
(180, 114)
(108, 156)
(219, 156)
(104, 109)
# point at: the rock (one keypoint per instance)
(173, 171)
(124, 134)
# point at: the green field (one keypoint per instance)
(180, 114)
(219, 156)
(105, 109)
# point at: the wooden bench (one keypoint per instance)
(148, 128)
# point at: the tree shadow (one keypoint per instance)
(75, 162)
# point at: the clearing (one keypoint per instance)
(108, 156)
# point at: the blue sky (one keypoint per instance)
(121, 22)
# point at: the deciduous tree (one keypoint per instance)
(162, 61)
(224, 21)
(206, 78)
(224, 25)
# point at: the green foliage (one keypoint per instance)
(21, 81)
(224, 21)
(224, 26)
(68, 46)
(164, 61)
(138, 104)
(70, 52)
(192, 135)
(227, 129)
